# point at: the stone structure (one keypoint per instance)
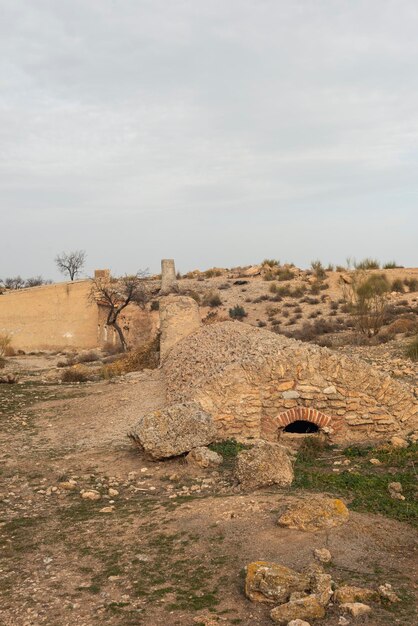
(179, 318)
(256, 383)
(168, 277)
(62, 315)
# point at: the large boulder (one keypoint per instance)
(174, 430)
(315, 513)
(264, 464)
(270, 582)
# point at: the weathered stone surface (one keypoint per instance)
(239, 374)
(203, 457)
(179, 318)
(264, 464)
(356, 609)
(315, 513)
(270, 582)
(168, 276)
(322, 555)
(298, 622)
(399, 442)
(174, 430)
(350, 593)
(305, 608)
(320, 584)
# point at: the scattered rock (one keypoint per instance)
(107, 509)
(264, 464)
(91, 495)
(399, 442)
(356, 609)
(203, 457)
(375, 462)
(305, 608)
(315, 513)
(386, 592)
(270, 582)
(113, 492)
(322, 555)
(69, 485)
(174, 430)
(349, 594)
(298, 622)
(395, 491)
(8, 379)
(320, 584)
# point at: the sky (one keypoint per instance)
(217, 133)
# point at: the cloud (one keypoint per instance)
(219, 132)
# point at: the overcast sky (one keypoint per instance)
(217, 132)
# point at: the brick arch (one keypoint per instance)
(270, 425)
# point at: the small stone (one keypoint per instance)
(132, 476)
(113, 492)
(350, 593)
(69, 485)
(203, 457)
(343, 621)
(356, 609)
(107, 509)
(291, 395)
(375, 462)
(266, 463)
(305, 608)
(399, 442)
(396, 487)
(386, 592)
(298, 622)
(91, 495)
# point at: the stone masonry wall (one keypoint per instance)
(255, 383)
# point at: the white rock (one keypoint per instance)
(330, 390)
(399, 442)
(298, 622)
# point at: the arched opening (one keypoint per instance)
(301, 427)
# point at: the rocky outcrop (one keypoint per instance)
(264, 464)
(314, 513)
(173, 430)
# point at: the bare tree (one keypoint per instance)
(116, 294)
(16, 282)
(71, 263)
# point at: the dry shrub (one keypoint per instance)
(213, 317)
(112, 348)
(88, 357)
(2, 362)
(212, 299)
(9, 351)
(401, 325)
(412, 350)
(5, 341)
(146, 356)
(75, 374)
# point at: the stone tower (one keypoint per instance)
(168, 277)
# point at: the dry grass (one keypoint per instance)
(146, 356)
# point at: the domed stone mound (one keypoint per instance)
(256, 383)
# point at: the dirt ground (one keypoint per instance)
(173, 548)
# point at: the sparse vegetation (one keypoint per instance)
(367, 264)
(367, 300)
(319, 270)
(237, 312)
(412, 350)
(211, 299)
(71, 263)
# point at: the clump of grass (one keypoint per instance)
(75, 374)
(398, 286)
(237, 312)
(365, 486)
(5, 341)
(412, 350)
(412, 284)
(390, 265)
(229, 448)
(318, 269)
(367, 264)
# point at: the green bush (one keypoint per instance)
(237, 312)
(390, 265)
(367, 264)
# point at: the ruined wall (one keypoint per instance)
(255, 383)
(50, 316)
(139, 326)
